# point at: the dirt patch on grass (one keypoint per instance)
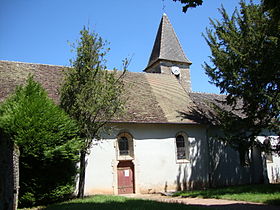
(211, 203)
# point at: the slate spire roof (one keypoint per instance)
(167, 46)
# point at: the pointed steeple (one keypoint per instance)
(167, 46)
(168, 57)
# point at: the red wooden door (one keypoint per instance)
(125, 179)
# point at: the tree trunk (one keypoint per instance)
(82, 175)
(257, 167)
(16, 154)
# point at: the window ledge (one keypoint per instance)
(125, 157)
(182, 161)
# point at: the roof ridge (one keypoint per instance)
(207, 93)
(29, 63)
(22, 62)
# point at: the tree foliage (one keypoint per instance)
(90, 94)
(189, 4)
(273, 7)
(245, 65)
(268, 5)
(48, 143)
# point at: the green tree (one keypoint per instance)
(48, 142)
(90, 94)
(245, 65)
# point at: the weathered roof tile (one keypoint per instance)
(151, 98)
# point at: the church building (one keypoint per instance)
(165, 140)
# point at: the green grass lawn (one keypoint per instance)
(116, 202)
(268, 193)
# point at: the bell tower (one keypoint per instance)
(168, 57)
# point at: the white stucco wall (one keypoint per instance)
(227, 169)
(156, 167)
(272, 167)
(99, 176)
(224, 164)
(155, 157)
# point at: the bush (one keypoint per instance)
(48, 142)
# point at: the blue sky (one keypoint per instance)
(38, 31)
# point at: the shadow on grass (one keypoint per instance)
(128, 204)
(154, 205)
(274, 202)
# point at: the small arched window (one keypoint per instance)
(182, 146)
(125, 146)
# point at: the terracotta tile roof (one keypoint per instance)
(151, 98)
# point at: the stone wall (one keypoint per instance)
(9, 174)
